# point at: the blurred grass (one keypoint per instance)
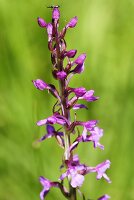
(106, 33)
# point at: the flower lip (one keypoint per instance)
(100, 170)
(96, 134)
(76, 171)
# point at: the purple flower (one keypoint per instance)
(72, 23)
(75, 171)
(41, 22)
(81, 93)
(51, 132)
(94, 137)
(61, 75)
(71, 53)
(40, 85)
(96, 134)
(54, 119)
(55, 13)
(46, 186)
(104, 197)
(100, 170)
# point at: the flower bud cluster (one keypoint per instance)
(66, 99)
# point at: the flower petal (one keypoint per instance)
(77, 180)
(78, 69)
(63, 176)
(88, 96)
(101, 168)
(43, 194)
(50, 129)
(96, 134)
(42, 122)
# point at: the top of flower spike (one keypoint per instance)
(56, 13)
(53, 6)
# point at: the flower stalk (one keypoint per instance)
(66, 114)
(74, 171)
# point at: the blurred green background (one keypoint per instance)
(105, 31)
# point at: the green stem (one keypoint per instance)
(65, 113)
(66, 153)
(73, 193)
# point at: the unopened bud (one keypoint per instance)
(41, 22)
(72, 22)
